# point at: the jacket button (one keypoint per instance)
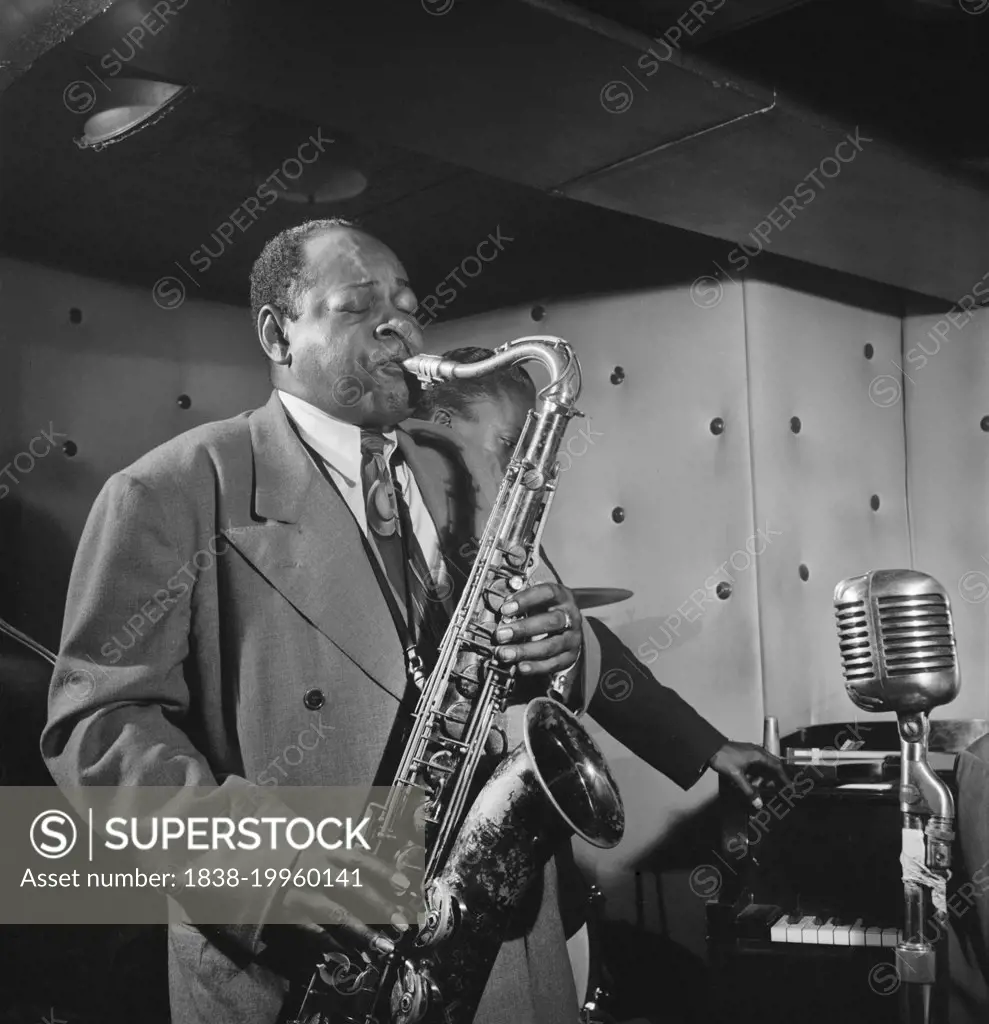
(314, 699)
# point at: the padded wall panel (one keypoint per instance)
(688, 506)
(946, 395)
(807, 359)
(110, 384)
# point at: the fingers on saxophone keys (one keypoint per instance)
(539, 596)
(540, 646)
(347, 931)
(534, 627)
(373, 866)
(549, 655)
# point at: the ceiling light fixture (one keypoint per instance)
(128, 106)
(329, 183)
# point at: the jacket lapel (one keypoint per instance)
(309, 548)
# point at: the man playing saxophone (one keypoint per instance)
(328, 529)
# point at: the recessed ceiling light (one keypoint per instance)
(326, 184)
(129, 105)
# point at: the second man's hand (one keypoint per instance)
(741, 762)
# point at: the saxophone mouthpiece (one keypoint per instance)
(429, 369)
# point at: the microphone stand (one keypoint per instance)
(928, 812)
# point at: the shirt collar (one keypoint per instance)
(337, 442)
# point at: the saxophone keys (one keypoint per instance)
(516, 555)
(467, 683)
(497, 742)
(443, 913)
(456, 715)
(411, 860)
(440, 766)
(409, 996)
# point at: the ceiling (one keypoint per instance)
(491, 115)
(133, 211)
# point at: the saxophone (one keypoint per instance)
(484, 842)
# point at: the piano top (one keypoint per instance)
(948, 735)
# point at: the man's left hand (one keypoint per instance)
(741, 761)
(549, 611)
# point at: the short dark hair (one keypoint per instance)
(459, 395)
(280, 275)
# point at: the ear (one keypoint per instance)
(271, 333)
(442, 417)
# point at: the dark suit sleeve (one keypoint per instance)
(968, 906)
(652, 720)
(119, 703)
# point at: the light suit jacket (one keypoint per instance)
(221, 606)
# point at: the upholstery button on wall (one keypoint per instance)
(314, 699)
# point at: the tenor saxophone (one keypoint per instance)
(485, 842)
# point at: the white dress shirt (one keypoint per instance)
(339, 445)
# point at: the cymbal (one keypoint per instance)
(594, 597)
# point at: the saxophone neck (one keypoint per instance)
(554, 353)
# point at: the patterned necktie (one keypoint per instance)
(389, 528)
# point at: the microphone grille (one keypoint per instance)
(895, 636)
(915, 634)
(855, 641)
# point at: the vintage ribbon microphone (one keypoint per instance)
(898, 654)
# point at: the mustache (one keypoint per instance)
(387, 360)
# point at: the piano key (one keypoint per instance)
(778, 931)
(807, 929)
(808, 934)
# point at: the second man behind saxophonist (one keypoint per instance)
(653, 721)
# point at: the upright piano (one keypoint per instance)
(809, 898)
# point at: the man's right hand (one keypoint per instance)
(348, 918)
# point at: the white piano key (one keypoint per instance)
(808, 934)
(841, 934)
(874, 936)
(778, 931)
(891, 936)
(825, 934)
(793, 930)
(856, 934)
